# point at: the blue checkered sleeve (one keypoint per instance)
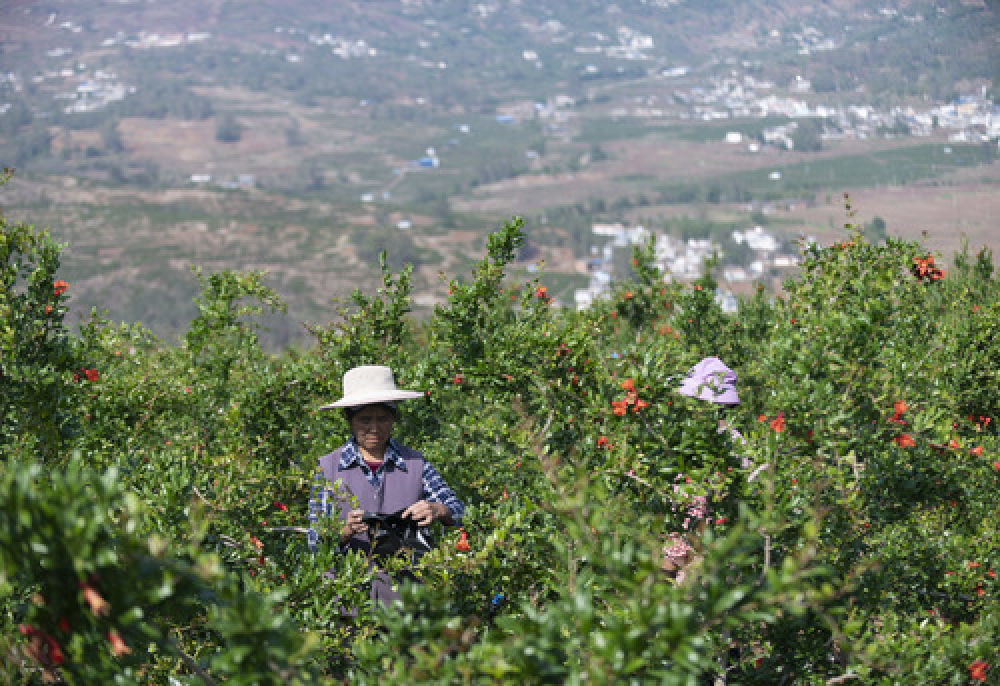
(319, 506)
(437, 491)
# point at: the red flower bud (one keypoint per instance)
(118, 646)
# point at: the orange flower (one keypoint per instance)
(628, 385)
(640, 404)
(602, 442)
(977, 451)
(60, 287)
(977, 670)
(628, 295)
(900, 407)
(905, 441)
(542, 292)
(463, 543)
(98, 605)
(762, 418)
(631, 397)
(48, 309)
(779, 424)
(118, 646)
(619, 408)
(954, 444)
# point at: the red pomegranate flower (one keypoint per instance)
(977, 670)
(60, 287)
(905, 441)
(463, 543)
(779, 423)
(118, 646)
(619, 407)
(98, 605)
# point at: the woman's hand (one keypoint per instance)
(353, 525)
(424, 512)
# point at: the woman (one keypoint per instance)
(380, 475)
(712, 381)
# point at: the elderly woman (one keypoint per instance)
(382, 476)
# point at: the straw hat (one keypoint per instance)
(711, 380)
(370, 384)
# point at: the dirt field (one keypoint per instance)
(964, 205)
(635, 164)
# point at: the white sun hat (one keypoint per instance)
(370, 384)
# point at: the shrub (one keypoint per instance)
(847, 532)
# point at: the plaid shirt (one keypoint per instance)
(435, 490)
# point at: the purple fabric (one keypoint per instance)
(401, 486)
(711, 380)
(348, 456)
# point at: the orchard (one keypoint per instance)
(154, 495)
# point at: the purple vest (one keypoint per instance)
(398, 490)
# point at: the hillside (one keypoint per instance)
(300, 138)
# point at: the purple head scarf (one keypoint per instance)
(711, 380)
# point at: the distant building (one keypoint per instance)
(756, 239)
(735, 274)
